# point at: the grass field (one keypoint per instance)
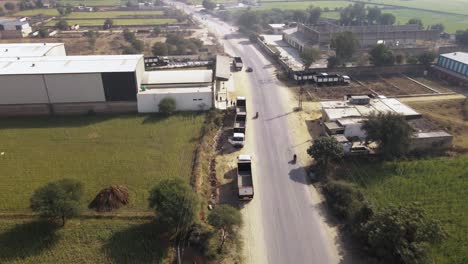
(35, 12)
(81, 241)
(118, 22)
(453, 6)
(302, 5)
(452, 23)
(92, 2)
(113, 14)
(137, 151)
(440, 185)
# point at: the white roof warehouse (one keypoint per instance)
(15, 50)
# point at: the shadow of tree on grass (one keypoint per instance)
(146, 243)
(28, 239)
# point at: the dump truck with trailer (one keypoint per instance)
(239, 123)
(244, 178)
(238, 64)
(241, 105)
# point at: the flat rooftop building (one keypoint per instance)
(453, 67)
(177, 78)
(22, 50)
(334, 110)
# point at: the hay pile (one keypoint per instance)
(110, 198)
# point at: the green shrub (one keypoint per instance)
(344, 200)
(167, 105)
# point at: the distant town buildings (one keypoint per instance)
(392, 35)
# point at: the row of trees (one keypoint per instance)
(381, 55)
(136, 46)
(462, 37)
(177, 208)
(358, 14)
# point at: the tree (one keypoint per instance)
(427, 57)
(325, 150)
(416, 21)
(399, 58)
(344, 199)
(345, 45)
(58, 200)
(39, 4)
(25, 4)
(208, 4)
(62, 24)
(461, 37)
(108, 23)
(160, 49)
(68, 9)
(227, 219)
(402, 234)
(439, 27)
(309, 55)
(332, 62)
(175, 203)
(43, 33)
(387, 19)
(249, 20)
(61, 10)
(300, 16)
(314, 14)
(380, 55)
(353, 14)
(156, 31)
(91, 36)
(391, 132)
(373, 15)
(167, 105)
(9, 6)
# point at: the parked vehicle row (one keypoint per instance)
(322, 78)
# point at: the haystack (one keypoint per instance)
(110, 198)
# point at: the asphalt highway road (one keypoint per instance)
(293, 228)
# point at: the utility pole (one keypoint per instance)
(301, 92)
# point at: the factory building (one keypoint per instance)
(453, 67)
(192, 90)
(14, 29)
(392, 35)
(22, 50)
(77, 84)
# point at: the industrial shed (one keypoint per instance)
(90, 81)
(192, 90)
(22, 50)
(453, 67)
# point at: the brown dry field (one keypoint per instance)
(106, 44)
(449, 115)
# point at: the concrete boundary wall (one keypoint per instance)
(68, 109)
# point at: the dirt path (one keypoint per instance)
(432, 98)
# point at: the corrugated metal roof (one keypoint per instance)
(457, 56)
(178, 77)
(223, 67)
(14, 50)
(184, 90)
(69, 64)
(434, 134)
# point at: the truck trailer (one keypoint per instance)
(239, 123)
(241, 105)
(244, 178)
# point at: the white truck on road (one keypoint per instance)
(237, 140)
(244, 178)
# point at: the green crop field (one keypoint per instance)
(80, 241)
(118, 22)
(302, 5)
(92, 2)
(113, 14)
(440, 185)
(134, 150)
(35, 12)
(453, 6)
